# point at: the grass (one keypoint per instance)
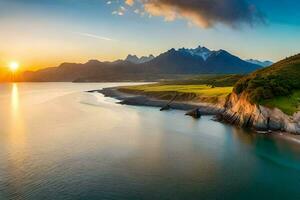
(288, 104)
(197, 89)
(209, 79)
(201, 88)
(185, 92)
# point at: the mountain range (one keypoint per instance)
(183, 61)
(200, 51)
(260, 63)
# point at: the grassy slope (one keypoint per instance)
(275, 86)
(288, 104)
(198, 88)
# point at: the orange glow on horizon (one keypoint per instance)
(33, 64)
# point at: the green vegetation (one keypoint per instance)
(205, 88)
(202, 90)
(202, 93)
(209, 79)
(289, 104)
(275, 85)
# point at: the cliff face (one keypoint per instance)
(239, 111)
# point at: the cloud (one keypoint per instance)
(205, 13)
(121, 11)
(94, 36)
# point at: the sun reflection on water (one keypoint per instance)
(17, 126)
(17, 137)
(14, 99)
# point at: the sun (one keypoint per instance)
(14, 66)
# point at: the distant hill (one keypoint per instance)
(260, 63)
(173, 62)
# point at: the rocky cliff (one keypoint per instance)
(239, 111)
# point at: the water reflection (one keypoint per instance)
(17, 135)
(55, 141)
(14, 99)
(16, 139)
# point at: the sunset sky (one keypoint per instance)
(46, 33)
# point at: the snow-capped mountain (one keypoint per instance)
(199, 51)
(137, 60)
(206, 53)
(260, 63)
(199, 60)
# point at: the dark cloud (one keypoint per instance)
(206, 13)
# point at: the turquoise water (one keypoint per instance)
(58, 142)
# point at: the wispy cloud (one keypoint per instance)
(99, 37)
(121, 11)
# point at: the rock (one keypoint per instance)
(166, 107)
(239, 111)
(194, 113)
(274, 125)
(218, 117)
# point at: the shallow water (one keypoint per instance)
(58, 142)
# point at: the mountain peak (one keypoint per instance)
(131, 57)
(222, 52)
(149, 57)
(200, 48)
(93, 62)
(199, 51)
(172, 50)
(136, 60)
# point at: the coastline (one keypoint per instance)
(143, 100)
(204, 108)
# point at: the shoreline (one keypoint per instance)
(204, 108)
(143, 100)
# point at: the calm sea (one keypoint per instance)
(59, 143)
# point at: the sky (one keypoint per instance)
(45, 33)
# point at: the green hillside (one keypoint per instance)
(274, 86)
